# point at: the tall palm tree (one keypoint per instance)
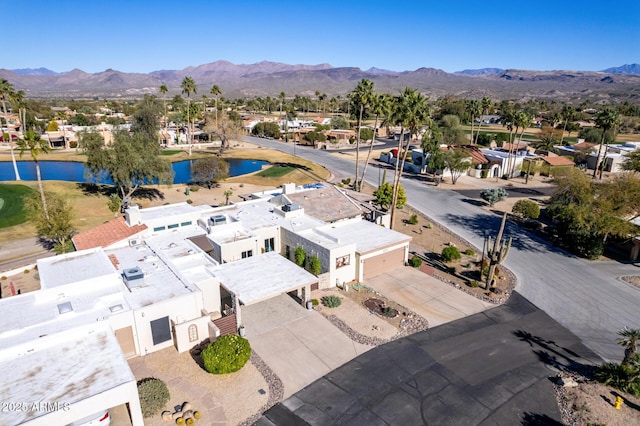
(188, 87)
(629, 339)
(606, 119)
(6, 90)
(163, 90)
(36, 146)
(378, 105)
(281, 96)
(474, 109)
(360, 97)
(567, 114)
(410, 113)
(215, 91)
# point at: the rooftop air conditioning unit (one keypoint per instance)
(133, 277)
(218, 219)
(135, 242)
(290, 207)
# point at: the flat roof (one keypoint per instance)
(367, 236)
(73, 267)
(63, 368)
(260, 277)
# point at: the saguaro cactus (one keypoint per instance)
(498, 253)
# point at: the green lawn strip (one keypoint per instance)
(11, 211)
(276, 171)
(170, 151)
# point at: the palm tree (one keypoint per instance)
(606, 119)
(36, 146)
(215, 91)
(474, 109)
(6, 90)
(567, 114)
(188, 87)
(410, 113)
(360, 97)
(522, 120)
(163, 90)
(281, 96)
(629, 339)
(378, 105)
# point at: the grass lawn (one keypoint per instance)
(11, 206)
(170, 151)
(276, 171)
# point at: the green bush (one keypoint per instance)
(331, 301)
(300, 256)
(315, 302)
(415, 261)
(474, 284)
(154, 395)
(314, 265)
(622, 377)
(413, 220)
(227, 354)
(493, 195)
(526, 209)
(469, 252)
(484, 174)
(451, 253)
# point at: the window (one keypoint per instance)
(269, 244)
(159, 228)
(342, 261)
(193, 333)
(173, 225)
(160, 330)
(247, 253)
(185, 223)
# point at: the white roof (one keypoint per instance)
(73, 267)
(260, 277)
(63, 368)
(366, 236)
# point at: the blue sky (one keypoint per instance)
(399, 35)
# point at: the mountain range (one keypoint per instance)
(265, 78)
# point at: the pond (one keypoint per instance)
(72, 171)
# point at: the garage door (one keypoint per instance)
(382, 263)
(125, 338)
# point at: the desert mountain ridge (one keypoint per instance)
(616, 84)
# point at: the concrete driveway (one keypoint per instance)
(299, 345)
(429, 297)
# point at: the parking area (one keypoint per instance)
(299, 345)
(429, 297)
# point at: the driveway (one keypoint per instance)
(492, 368)
(299, 345)
(429, 297)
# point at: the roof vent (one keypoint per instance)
(65, 307)
(133, 277)
(290, 207)
(115, 308)
(218, 219)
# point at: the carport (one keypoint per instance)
(262, 277)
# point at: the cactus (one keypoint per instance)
(496, 254)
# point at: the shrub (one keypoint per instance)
(484, 174)
(331, 301)
(526, 209)
(26, 271)
(428, 225)
(415, 261)
(469, 252)
(154, 395)
(622, 377)
(194, 188)
(300, 256)
(493, 195)
(3, 278)
(314, 265)
(413, 219)
(474, 284)
(451, 253)
(451, 270)
(189, 201)
(315, 302)
(227, 354)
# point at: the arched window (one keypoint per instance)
(193, 333)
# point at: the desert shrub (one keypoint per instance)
(413, 219)
(26, 271)
(346, 181)
(526, 209)
(415, 261)
(189, 201)
(315, 302)
(451, 253)
(622, 377)
(331, 301)
(474, 284)
(227, 354)
(194, 188)
(154, 395)
(493, 195)
(532, 224)
(469, 252)
(3, 278)
(314, 265)
(484, 174)
(300, 256)
(428, 225)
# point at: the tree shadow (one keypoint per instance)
(97, 189)
(533, 419)
(483, 225)
(474, 202)
(293, 166)
(554, 355)
(626, 402)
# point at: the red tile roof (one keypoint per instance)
(106, 234)
(477, 157)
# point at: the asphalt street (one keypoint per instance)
(492, 368)
(586, 297)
